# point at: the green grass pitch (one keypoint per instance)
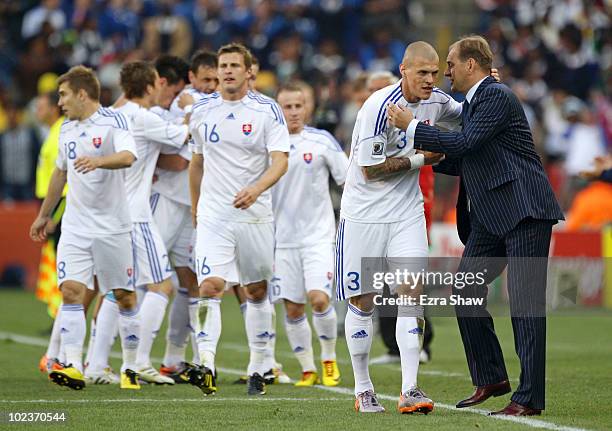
(579, 383)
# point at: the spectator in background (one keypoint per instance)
(47, 12)
(592, 207)
(18, 152)
(166, 33)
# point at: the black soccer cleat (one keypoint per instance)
(256, 385)
(203, 378)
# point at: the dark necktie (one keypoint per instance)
(464, 113)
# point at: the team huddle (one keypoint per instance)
(189, 192)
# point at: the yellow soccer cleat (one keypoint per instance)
(68, 376)
(309, 378)
(331, 373)
(129, 380)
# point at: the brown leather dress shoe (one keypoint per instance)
(515, 409)
(483, 393)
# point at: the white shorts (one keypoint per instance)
(110, 258)
(176, 229)
(298, 271)
(354, 241)
(236, 252)
(150, 255)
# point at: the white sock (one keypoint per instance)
(129, 331)
(178, 329)
(326, 327)
(358, 332)
(259, 318)
(300, 340)
(106, 327)
(73, 329)
(90, 343)
(194, 306)
(407, 334)
(207, 326)
(53, 349)
(270, 359)
(151, 313)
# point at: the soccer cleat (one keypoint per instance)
(414, 401)
(256, 385)
(104, 377)
(151, 375)
(203, 378)
(367, 402)
(129, 380)
(178, 373)
(331, 373)
(309, 378)
(68, 376)
(281, 376)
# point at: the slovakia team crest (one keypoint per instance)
(308, 157)
(97, 142)
(247, 129)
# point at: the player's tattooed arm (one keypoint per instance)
(391, 166)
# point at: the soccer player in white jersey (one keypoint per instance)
(305, 226)
(171, 206)
(95, 147)
(140, 83)
(240, 144)
(382, 216)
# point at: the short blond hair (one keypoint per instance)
(81, 78)
(477, 48)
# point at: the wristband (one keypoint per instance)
(188, 109)
(416, 160)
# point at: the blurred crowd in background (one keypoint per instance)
(555, 54)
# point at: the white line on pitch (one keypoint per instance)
(172, 400)
(533, 423)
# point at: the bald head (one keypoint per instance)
(419, 70)
(420, 50)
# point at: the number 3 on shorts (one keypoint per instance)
(203, 268)
(354, 279)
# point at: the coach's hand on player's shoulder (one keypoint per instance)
(246, 197)
(86, 164)
(399, 116)
(431, 158)
(38, 231)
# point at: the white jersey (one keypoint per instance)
(394, 198)
(235, 138)
(177, 111)
(302, 205)
(96, 204)
(175, 184)
(150, 132)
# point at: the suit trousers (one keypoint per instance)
(524, 251)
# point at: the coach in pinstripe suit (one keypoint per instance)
(506, 210)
